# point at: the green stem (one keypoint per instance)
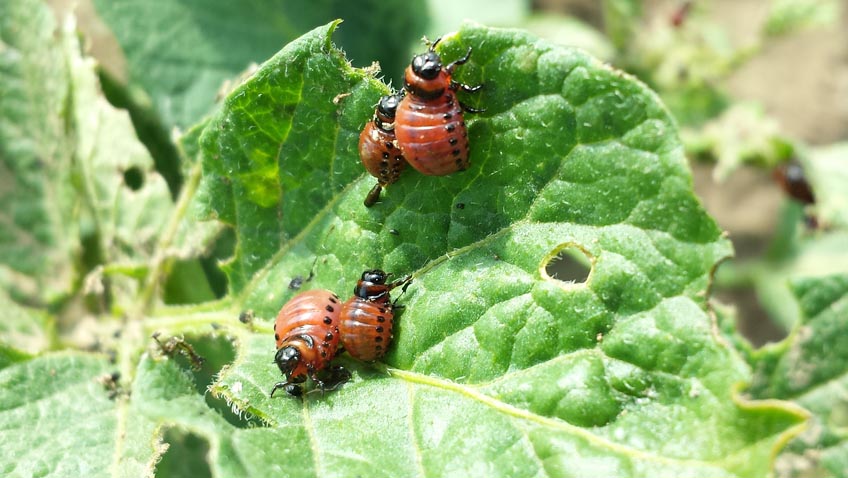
(160, 258)
(204, 322)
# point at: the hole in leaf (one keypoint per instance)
(217, 351)
(223, 249)
(569, 263)
(134, 178)
(186, 455)
(201, 279)
(188, 284)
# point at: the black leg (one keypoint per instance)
(278, 386)
(406, 286)
(406, 281)
(373, 195)
(454, 85)
(291, 386)
(469, 109)
(458, 62)
(471, 89)
(331, 379)
(401, 282)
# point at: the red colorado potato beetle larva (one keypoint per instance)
(378, 150)
(429, 123)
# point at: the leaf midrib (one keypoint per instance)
(551, 423)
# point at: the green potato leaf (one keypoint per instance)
(83, 195)
(38, 234)
(497, 368)
(810, 367)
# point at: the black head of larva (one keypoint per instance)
(388, 105)
(287, 359)
(372, 285)
(427, 65)
(375, 276)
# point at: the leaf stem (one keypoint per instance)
(131, 342)
(160, 257)
(202, 322)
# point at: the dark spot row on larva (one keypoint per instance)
(382, 310)
(456, 152)
(332, 300)
(450, 127)
(378, 339)
(378, 347)
(329, 308)
(385, 155)
(328, 337)
(277, 337)
(453, 141)
(325, 344)
(328, 320)
(323, 354)
(379, 329)
(389, 145)
(381, 319)
(448, 115)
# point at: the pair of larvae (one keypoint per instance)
(424, 127)
(315, 326)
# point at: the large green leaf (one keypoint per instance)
(810, 368)
(557, 378)
(77, 171)
(181, 52)
(38, 231)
